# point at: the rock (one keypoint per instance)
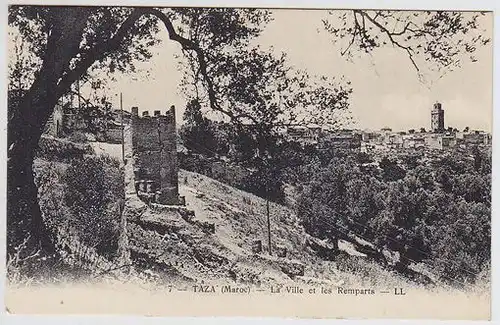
(292, 268)
(324, 248)
(187, 215)
(257, 246)
(134, 208)
(160, 223)
(281, 251)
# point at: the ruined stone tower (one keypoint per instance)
(151, 148)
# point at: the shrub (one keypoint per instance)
(94, 188)
(51, 189)
(78, 137)
(54, 149)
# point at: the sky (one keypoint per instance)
(386, 89)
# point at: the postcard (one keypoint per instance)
(260, 162)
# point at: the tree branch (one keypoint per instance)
(352, 39)
(86, 101)
(66, 28)
(405, 29)
(99, 52)
(391, 36)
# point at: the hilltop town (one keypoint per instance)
(161, 167)
(438, 137)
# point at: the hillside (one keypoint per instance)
(240, 218)
(188, 253)
(179, 251)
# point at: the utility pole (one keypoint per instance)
(268, 227)
(78, 95)
(268, 191)
(123, 137)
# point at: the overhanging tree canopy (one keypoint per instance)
(437, 41)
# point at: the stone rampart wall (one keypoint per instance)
(151, 142)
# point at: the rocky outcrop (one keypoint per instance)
(291, 268)
(257, 246)
(325, 249)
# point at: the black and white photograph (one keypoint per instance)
(262, 162)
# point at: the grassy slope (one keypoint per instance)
(240, 217)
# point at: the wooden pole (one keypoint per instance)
(268, 227)
(122, 131)
(78, 92)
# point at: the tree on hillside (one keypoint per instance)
(198, 132)
(323, 204)
(72, 43)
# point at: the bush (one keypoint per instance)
(94, 188)
(51, 189)
(54, 149)
(264, 186)
(78, 137)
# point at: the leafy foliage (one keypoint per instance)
(80, 200)
(247, 85)
(94, 186)
(254, 87)
(198, 133)
(72, 44)
(391, 171)
(54, 149)
(34, 24)
(436, 40)
(438, 213)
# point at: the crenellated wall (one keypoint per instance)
(151, 148)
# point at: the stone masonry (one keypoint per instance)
(150, 146)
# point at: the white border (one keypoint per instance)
(302, 4)
(486, 5)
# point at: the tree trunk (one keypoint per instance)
(24, 220)
(25, 127)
